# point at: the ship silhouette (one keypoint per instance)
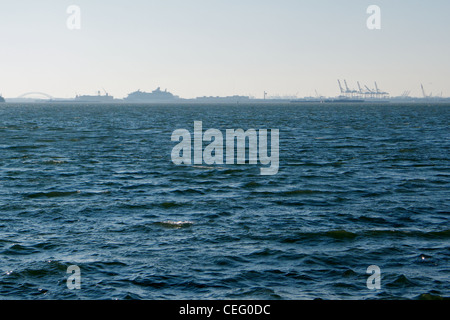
(97, 98)
(155, 96)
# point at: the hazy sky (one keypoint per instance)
(223, 47)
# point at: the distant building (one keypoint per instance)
(155, 96)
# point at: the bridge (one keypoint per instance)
(33, 94)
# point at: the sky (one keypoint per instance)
(198, 48)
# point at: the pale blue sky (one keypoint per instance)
(211, 47)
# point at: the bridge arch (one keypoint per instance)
(42, 94)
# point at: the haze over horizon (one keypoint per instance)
(222, 48)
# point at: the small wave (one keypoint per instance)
(369, 219)
(38, 270)
(294, 192)
(188, 191)
(26, 147)
(401, 281)
(407, 233)
(171, 204)
(408, 150)
(207, 167)
(251, 184)
(17, 249)
(383, 233)
(52, 194)
(265, 253)
(136, 206)
(341, 234)
(349, 147)
(430, 296)
(439, 234)
(55, 162)
(175, 224)
(231, 171)
(262, 293)
(350, 273)
(335, 234)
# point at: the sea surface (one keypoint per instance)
(94, 186)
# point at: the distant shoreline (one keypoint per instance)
(227, 102)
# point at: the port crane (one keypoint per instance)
(406, 94)
(351, 92)
(424, 93)
(340, 87)
(359, 87)
(370, 92)
(379, 92)
(362, 91)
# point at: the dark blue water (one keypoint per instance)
(94, 186)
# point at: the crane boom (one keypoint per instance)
(340, 86)
(423, 91)
(359, 87)
(368, 89)
(346, 86)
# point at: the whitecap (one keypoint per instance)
(175, 224)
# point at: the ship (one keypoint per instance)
(94, 99)
(155, 96)
(344, 100)
(2, 99)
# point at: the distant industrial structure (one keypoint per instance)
(429, 96)
(361, 93)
